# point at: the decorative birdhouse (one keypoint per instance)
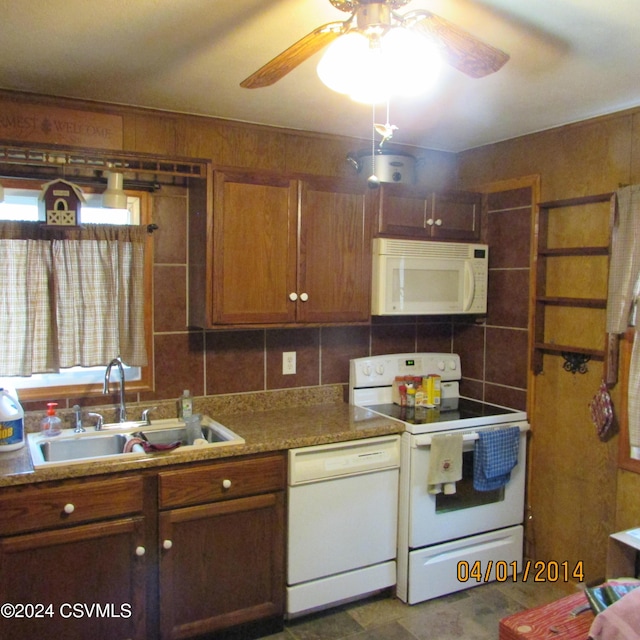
(59, 204)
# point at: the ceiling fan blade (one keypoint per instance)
(462, 50)
(296, 54)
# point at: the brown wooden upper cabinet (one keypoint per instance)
(414, 212)
(286, 251)
(334, 277)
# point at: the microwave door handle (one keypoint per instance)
(471, 282)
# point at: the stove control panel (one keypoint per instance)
(380, 371)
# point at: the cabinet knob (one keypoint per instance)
(226, 484)
(438, 222)
(140, 551)
(304, 297)
(69, 508)
(167, 544)
(430, 222)
(293, 296)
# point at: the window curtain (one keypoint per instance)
(70, 297)
(624, 292)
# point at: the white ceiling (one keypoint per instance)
(570, 60)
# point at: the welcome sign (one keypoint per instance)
(54, 125)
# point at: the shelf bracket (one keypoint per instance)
(575, 362)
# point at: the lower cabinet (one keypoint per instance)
(222, 546)
(178, 554)
(221, 565)
(73, 582)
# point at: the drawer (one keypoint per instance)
(221, 481)
(43, 506)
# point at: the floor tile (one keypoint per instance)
(387, 631)
(445, 621)
(283, 635)
(331, 625)
(377, 611)
(532, 594)
(473, 613)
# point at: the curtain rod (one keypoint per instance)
(137, 185)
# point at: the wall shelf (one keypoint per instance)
(575, 251)
(548, 347)
(541, 344)
(593, 303)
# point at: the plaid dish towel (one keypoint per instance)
(496, 453)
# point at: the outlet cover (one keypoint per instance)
(288, 363)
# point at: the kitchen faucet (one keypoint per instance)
(105, 389)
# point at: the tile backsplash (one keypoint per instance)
(212, 363)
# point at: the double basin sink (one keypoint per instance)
(124, 441)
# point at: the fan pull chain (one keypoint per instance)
(388, 123)
(373, 182)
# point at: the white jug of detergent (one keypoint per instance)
(11, 422)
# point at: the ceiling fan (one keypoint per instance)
(374, 18)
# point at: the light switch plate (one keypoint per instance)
(288, 363)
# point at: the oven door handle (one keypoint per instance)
(424, 440)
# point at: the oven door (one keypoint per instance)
(439, 518)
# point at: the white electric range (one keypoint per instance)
(445, 540)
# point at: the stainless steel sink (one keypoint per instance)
(212, 434)
(61, 449)
(110, 442)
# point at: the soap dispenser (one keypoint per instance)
(51, 425)
(186, 404)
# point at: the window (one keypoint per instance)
(21, 203)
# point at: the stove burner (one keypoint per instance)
(421, 415)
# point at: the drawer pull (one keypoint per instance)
(140, 551)
(69, 508)
(167, 544)
(226, 484)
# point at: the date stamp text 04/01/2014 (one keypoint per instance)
(538, 571)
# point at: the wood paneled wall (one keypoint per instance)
(577, 496)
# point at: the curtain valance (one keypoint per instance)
(72, 297)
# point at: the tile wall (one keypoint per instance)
(494, 353)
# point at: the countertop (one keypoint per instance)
(274, 429)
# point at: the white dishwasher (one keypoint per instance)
(342, 527)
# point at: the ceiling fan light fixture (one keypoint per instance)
(339, 66)
(412, 63)
(374, 68)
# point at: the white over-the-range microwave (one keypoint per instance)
(422, 277)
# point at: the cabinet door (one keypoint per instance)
(335, 252)
(222, 564)
(456, 215)
(88, 578)
(404, 211)
(254, 248)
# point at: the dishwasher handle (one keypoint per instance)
(337, 460)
